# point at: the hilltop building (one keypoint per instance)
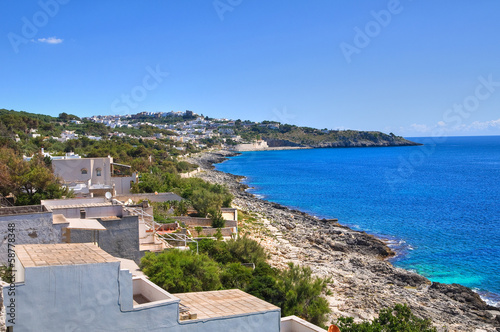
(68, 155)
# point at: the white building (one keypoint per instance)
(80, 287)
(68, 155)
(67, 135)
(94, 175)
(67, 287)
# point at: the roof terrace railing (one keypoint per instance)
(149, 221)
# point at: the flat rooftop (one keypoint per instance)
(82, 205)
(223, 303)
(34, 255)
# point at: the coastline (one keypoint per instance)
(364, 281)
(278, 148)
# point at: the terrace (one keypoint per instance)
(224, 303)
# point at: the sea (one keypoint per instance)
(437, 205)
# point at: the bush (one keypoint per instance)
(198, 230)
(236, 275)
(304, 294)
(246, 250)
(205, 201)
(181, 271)
(264, 285)
(399, 318)
(220, 266)
(217, 219)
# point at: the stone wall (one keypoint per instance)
(203, 222)
(120, 239)
(258, 145)
(29, 228)
(226, 232)
(190, 174)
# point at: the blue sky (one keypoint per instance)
(415, 68)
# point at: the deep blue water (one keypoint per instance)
(437, 204)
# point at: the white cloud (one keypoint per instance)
(443, 128)
(484, 125)
(421, 128)
(50, 40)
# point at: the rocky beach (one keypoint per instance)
(363, 281)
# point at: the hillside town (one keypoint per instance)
(193, 130)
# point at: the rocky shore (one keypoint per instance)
(363, 281)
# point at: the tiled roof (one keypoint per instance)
(34, 255)
(223, 303)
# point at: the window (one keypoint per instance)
(84, 171)
(98, 172)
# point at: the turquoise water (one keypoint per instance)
(437, 204)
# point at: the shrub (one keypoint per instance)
(205, 201)
(181, 271)
(217, 219)
(399, 318)
(219, 266)
(236, 275)
(304, 294)
(264, 285)
(246, 250)
(198, 230)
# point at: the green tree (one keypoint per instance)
(205, 201)
(216, 250)
(264, 285)
(198, 230)
(235, 275)
(304, 294)
(217, 219)
(64, 116)
(181, 271)
(29, 181)
(246, 250)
